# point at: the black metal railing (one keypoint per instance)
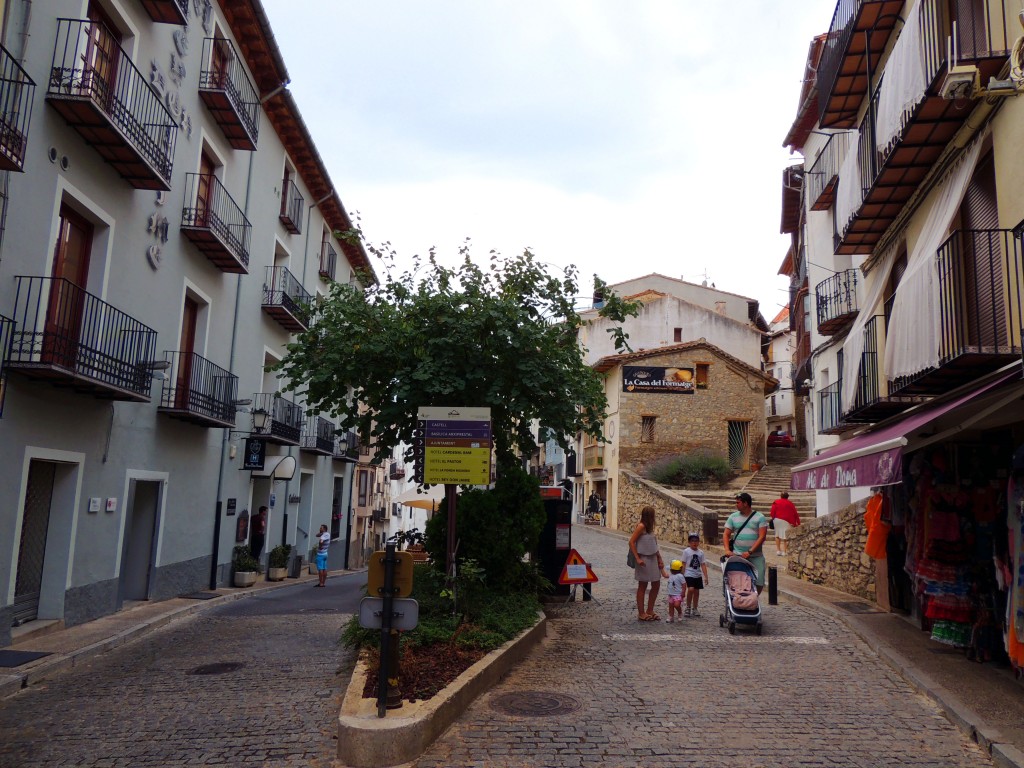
(318, 434)
(328, 261)
(980, 293)
(117, 89)
(16, 93)
(197, 386)
(825, 171)
(830, 407)
(223, 71)
(208, 205)
(283, 289)
(380, 515)
(397, 472)
(836, 298)
(284, 418)
(840, 31)
(346, 446)
(6, 335)
(870, 388)
(292, 205)
(62, 326)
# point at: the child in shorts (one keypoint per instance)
(676, 588)
(695, 574)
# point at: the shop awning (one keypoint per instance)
(277, 468)
(876, 457)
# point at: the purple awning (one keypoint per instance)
(875, 458)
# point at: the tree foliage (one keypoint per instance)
(502, 336)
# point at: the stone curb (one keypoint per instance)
(366, 741)
(11, 684)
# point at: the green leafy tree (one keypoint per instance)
(502, 335)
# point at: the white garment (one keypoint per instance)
(676, 585)
(903, 85)
(323, 542)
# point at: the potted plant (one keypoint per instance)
(277, 562)
(245, 567)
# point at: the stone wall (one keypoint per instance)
(829, 550)
(675, 516)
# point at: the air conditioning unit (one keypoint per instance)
(963, 81)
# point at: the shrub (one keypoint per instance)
(278, 557)
(242, 560)
(691, 469)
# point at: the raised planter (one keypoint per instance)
(276, 574)
(245, 578)
(366, 741)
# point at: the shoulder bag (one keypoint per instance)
(732, 538)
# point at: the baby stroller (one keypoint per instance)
(739, 586)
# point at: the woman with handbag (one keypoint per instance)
(649, 568)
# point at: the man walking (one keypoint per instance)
(259, 533)
(744, 535)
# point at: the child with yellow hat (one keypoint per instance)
(676, 589)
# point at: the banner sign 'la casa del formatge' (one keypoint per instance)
(637, 378)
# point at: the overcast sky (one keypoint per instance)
(622, 137)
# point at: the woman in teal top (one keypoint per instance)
(752, 529)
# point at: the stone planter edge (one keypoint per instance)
(366, 741)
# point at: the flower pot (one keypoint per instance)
(245, 578)
(276, 574)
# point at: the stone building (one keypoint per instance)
(674, 400)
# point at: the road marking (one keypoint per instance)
(674, 636)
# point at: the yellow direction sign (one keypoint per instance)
(403, 574)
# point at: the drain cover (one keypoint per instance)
(857, 608)
(220, 668)
(535, 704)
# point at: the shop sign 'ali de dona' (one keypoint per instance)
(637, 378)
(453, 445)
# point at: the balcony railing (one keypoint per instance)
(212, 220)
(16, 92)
(292, 205)
(830, 408)
(980, 296)
(318, 436)
(328, 262)
(593, 457)
(285, 418)
(824, 174)
(836, 299)
(346, 446)
(96, 88)
(229, 94)
(167, 11)
(66, 335)
(285, 300)
(6, 335)
(198, 391)
(397, 472)
(380, 515)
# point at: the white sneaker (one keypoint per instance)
(686, 613)
(695, 614)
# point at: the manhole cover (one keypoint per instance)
(535, 704)
(857, 608)
(220, 668)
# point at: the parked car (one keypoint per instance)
(780, 440)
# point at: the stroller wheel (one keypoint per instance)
(758, 629)
(732, 627)
(721, 620)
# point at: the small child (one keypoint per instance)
(696, 575)
(676, 587)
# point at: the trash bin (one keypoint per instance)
(555, 541)
(296, 569)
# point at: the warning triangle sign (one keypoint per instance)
(577, 570)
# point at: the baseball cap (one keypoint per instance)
(745, 498)
(694, 537)
(677, 565)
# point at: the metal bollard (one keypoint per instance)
(773, 585)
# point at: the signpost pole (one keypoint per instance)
(451, 494)
(385, 629)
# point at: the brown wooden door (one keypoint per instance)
(99, 77)
(204, 190)
(66, 305)
(981, 261)
(183, 384)
(219, 63)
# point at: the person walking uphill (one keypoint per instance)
(744, 535)
(650, 568)
(783, 515)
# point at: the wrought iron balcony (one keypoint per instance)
(380, 515)
(6, 334)
(198, 391)
(824, 174)
(318, 436)
(328, 261)
(16, 93)
(292, 205)
(69, 337)
(981, 287)
(890, 175)
(830, 409)
(285, 300)
(229, 93)
(96, 88)
(875, 398)
(397, 472)
(284, 418)
(212, 220)
(167, 11)
(346, 446)
(837, 301)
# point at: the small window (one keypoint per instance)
(677, 335)
(702, 375)
(364, 478)
(647, 429)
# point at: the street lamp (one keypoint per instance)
(259, 419)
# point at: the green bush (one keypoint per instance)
(278, 557)
(691, 469)
(242, 560)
